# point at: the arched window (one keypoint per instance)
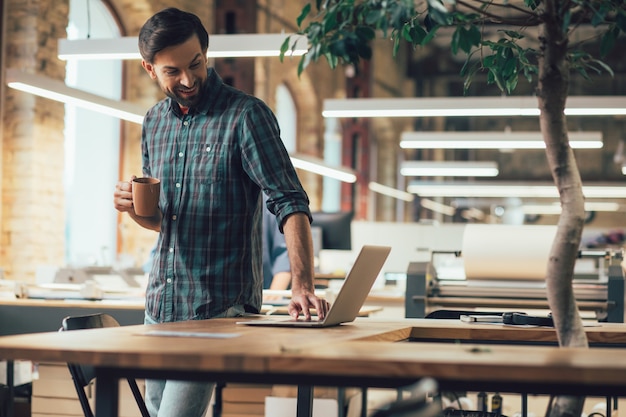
(92, 143)
(287, 118)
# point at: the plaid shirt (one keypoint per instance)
(213, 163)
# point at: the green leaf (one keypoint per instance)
(418, 35)
(532, 4)
(604, 66)
(283, 48)
(396, 45)
(455, 40)
(374, 16)
(405, 33)
(305, 12)
(567, 18)
(509, 68)
(365, 33)
(330, 21)
(608, 41)
(431, 34)
(438, 13)
(332, 61)
(620, 20)
(582, 71)
(513, 34)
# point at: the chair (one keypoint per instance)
(82, 375)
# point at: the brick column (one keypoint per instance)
(33, 213)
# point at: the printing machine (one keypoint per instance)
(440, 284)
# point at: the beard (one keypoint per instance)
(185, 100)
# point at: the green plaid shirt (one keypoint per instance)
(213, 163)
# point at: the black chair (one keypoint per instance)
(423, 401)
(82, 375)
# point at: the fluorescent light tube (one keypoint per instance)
(220, 46)
(57, 90)
(319, 166)
(504, 189)
(391, 192)
(437, 207)
(448, 169)
(468, 106)
(493, 140)
(556, 207)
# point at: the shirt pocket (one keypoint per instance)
(208, 163)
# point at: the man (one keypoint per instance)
(215, 150)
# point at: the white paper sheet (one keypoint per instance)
(506, 251)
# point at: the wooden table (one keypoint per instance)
(366, 353)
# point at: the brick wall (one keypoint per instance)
(31, 227)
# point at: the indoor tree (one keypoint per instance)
(341, 31)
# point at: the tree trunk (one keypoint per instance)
(552, 93)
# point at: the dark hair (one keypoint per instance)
(170, 27)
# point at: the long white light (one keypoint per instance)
(556, 207)
(57, 90)
(220, 46)
(503, 189)
(437, 207)
(468, 106)
(493, 140)
(319, 166)
(390, 191)
(449, 169)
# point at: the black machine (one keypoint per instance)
(598, 286)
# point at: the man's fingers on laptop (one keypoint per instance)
(322, 308)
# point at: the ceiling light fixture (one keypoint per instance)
(391, 192)
(555, 208)
(468, 106)
(319, 166)
(57, 90)
(437, 207)
(493, 140)
(220, 46)
(449, 169)
(508, 189)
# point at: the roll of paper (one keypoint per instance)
(507, 252)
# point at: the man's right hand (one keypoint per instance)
(123, 197)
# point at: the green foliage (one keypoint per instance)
(341, 31)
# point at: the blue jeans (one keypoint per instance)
(171, 398)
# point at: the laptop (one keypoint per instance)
(351, 296)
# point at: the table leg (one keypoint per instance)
(11, 387)
(107, 395)
(304, 401)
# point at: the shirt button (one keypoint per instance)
(169, 280)
(186, 123)
(171, 250)
(180, 154)
(208, 148)
(177, 185)
(174, 217)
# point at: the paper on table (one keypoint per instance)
(173, 333)
(509, 252)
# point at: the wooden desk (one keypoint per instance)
(366, 353)
(19, 316)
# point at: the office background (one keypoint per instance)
(59, 164)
